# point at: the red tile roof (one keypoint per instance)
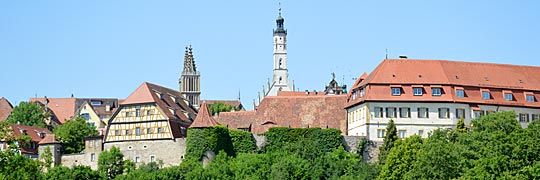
(204, 119)
(49, 139)
(445, 74)
(5, 108)
(62, 108)
(166, 100)
(36, 133)
(291, 111)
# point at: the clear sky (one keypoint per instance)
(108, 48)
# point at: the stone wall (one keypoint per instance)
(350, 143)
(371, 152)
(171, 152)
(85, 159)
(260, 141)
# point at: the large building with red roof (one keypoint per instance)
(291, 109)
(36, 134)
(423, 95)
(150, 125)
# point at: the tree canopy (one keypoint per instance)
(72, 133)
(30, 114)
(218, 107)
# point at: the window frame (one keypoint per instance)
(396, 91)
(408, 110)
(526, 119)
(446, 115)
(426, 113)
(533, 117)
(528, 98)
(508, 96)
(433, 91)
(137, 131)
(404, 131)
(380, 114)
(458, 110)
(484, 93)
(460, 95)
(418, 93)
(381, 133)
(394, 115)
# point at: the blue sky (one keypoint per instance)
(108, 48)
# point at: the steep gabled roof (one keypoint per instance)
(36, 133)
(204, 119)
(167, 100)
(5, 108)
(62, 108)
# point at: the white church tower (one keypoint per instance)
(280, 80)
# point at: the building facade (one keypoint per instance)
(151, 125)
(280, 79)
(424, 95)
(189, 82)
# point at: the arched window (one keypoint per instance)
(280, 60)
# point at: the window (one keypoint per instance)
(523, 117)
(420, 133)
(149, 112)
(116, 132)
(418, 91)
(378, 112)
(137, 113)
(460, 93)
(381, 133)
(535, 117)
(508, 96)
(402, 133)
(478, 114)
(362, 92)
(460, 113)
(158, 130)
(443, 113)
(391, 112)
(101, 116)
(128, 114)
(423, 113)
(396, 91)
(93, 157)
(127, 132)
(148, 130)
(405, 112)
(138, 131)
(436, 91)
(152, 158)
(86, 116)
(530, 98)
(91, 143)
(486, 95)
(353, 95)
(95, 102)
(137, 159)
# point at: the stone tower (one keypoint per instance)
(280, 80)
(189, 82)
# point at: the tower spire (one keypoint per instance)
(279, 9)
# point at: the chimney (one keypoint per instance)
(46, 104)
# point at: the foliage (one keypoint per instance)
(389, 139)
(218, 107)
(242, 141)
(72, 133)
(362, 145)
(17, 166)
(401, 157)
(212, 139)
(460, 126)
(47, 157)
(308, 143)
(76, 172)
(30, 114)
(111, 163)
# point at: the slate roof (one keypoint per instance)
(204, 118)
(289, 110)
(471, 76)
(5, 108)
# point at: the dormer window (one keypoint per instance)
(436, 91)
(95, 103)
(460, 93)
(396, 91)
(530, 98)
(362, 92)
(486, 95)
(418, 91)
(508, 96)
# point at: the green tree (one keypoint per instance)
(30, 114)
(47, 157)
(400, 159)
(76, 172)
(388, 143)
(72, 133)
(218, 107)
(111, 163)
(460, 126)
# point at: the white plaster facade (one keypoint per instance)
(280, 80)
(364, 121)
